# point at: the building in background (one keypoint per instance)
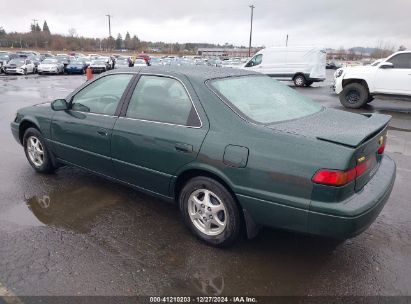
(226, 52)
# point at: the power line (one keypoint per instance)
(251, 30)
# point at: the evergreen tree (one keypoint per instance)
(127, 41)
(46, 29)
(37, 28)
(119, 42)
(135, 43)
(2, 31)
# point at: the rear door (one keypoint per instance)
(157, 133)
(395, 80)
(81, 135)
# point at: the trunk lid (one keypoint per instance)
(364, 133)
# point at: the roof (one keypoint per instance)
(199, 73)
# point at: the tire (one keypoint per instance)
(354, 96)
(299, 80)
(309, 83)
(25, 72)
(37, 154)
(226, 214)
(370, 98)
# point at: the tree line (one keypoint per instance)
(42, 38)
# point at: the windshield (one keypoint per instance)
(98, 62)
(140, 61)
(263, 99)
(17, 62)
(4, 57)
(77, 62)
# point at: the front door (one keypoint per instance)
(81, 135)
(395, 80)
(159, 133)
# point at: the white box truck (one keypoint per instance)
(302, 64)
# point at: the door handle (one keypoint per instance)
(186, 148)
(102, 132)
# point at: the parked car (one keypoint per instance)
(122, 63)
(145, 57)
(108, 61)
(85, 59)
(36, 60)
(231, 147)
(357, 86)
(50, 66)
(21, 66)
(140, 62)
(98, 66)
(76, 67)
(47, 55)
(64, 59)
(332, 66)
(215, 62)
(303, 65)
(5, 57)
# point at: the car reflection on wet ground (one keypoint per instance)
(72, 233)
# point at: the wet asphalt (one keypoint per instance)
(72, 233)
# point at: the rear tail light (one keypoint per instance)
(381, 142)
(381, 148)
(340, 177)
(334, 177)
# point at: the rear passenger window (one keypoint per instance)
(162, 99)
(401, 61)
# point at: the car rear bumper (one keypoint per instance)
(351, 217)
(336, 220)
(98, 70)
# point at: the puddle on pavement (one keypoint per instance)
(72, 209)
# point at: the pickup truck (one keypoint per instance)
(356, 86)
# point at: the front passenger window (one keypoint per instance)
(256, 60)
(401, 61)
(102, 96)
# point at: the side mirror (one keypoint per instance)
(59, 105)
(386, 65)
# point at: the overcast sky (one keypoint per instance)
(331, 23)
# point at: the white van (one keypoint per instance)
(303, 65)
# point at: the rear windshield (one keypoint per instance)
(264, 100)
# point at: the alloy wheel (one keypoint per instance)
(35, 151)
(207, 212)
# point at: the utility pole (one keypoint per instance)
(34, 26)
(109, 30)
(251, 30)
(286, 41)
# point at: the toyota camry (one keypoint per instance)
(231, 147)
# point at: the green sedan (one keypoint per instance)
(233, 148)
